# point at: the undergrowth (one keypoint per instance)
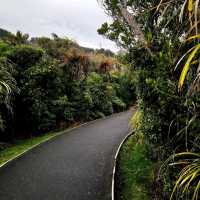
(135, 172)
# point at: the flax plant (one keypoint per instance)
(187, 184)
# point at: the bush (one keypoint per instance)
(55, 83)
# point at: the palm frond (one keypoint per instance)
(177, 64)
(189, 177)
(193, 37)
(182, 11)
(190, 5)
(196, 15)
(187, 66)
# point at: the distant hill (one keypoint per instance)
(4, 33)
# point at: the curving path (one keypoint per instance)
(74, 166)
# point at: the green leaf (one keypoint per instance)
(187, 66)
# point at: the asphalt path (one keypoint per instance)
(73, 166)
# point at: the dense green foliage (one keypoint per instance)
(154, 38)
(135, 172)
(47, 84)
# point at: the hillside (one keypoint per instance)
(53, 83)
(4, 33)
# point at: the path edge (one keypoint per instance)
(115, 162)
(57, 134)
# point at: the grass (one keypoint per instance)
(135, 172)
(22, 145)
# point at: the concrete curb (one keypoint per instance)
(115, 162)
(57, 135)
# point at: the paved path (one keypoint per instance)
(74, 166)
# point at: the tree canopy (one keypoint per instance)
(51, 83)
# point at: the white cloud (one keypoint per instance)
(77, 19)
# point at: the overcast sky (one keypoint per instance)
(77, 19)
